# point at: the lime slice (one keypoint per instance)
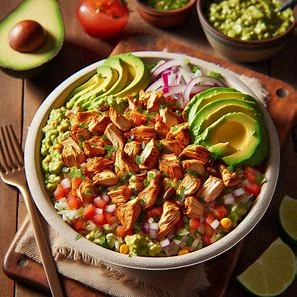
(288, 216)
(272, 272)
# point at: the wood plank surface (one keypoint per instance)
(21, 98)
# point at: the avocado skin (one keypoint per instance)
(32, 9)
(202, 136)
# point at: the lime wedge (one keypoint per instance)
(272, 272)
(288, 216)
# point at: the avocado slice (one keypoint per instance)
(210, 95)
(214, 110)
(235, 138)
(47, 14)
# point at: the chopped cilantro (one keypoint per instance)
(77, 237)
(76, 172)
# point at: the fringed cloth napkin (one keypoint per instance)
(124, 282)
(113, 280)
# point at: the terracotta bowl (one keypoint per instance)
(239, 50)
(164, 19)
(36, 184)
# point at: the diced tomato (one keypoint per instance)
(220, 211)
(253, 188)
(99, 202)
(209, 218)
(154, 212)
(89, 211)
(99, 219)
(109, 217)
(138, 118)
(194, 223)
(120, 231)
(59, 192)
(209, 231)
(75, 182)
(74, 202)
(79, 224)
(250, 174)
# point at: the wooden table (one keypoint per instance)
(21, 98)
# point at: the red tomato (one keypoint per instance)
(220, 211)
(253, 188)
(59, 192)
(74, 202)
(99, 202)
(89, 211)
(99, 219)
(250, 174)
(109, 217)
(79, 224)
(75, 182)
(194, 223)
(102, 18)
(154, 212)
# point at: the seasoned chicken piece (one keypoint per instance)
(120, 195)
(195, 151)
(136, 182)
(98, 164)
(193, 208)
(72, 155)
(211, 189)
(161, 129)
(98, 124)
(149, 156)
(82, 117)
(194, 166)
(189, 185)
(86, 191)
(115, 136)
(128, 213)
(149, 195)
(229, 177)
(170, 165)
(152, 99)
(169, 117)
(80, 134)
(171, 146)
(119, 120)
(94, 147)
(133, 103)
(181, 133)
(124, 164)
(106, 178)
(132, 148)
(143, 133)
(154, 176)
(170, 216)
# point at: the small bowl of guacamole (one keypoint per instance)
(246, 31)
(165, 13)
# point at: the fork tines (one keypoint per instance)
(11, 155)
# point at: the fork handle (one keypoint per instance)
(48, 262)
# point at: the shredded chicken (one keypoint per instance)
(143, 133)
(72, 155)
(170, 216)
(148, 195)
(120, 121)
(98, 124)
(194, 166)
(189, 185)
(181, 133)
(170, 165)
(229, 177)
(169, 117)
(86, 191)
(80, 134)
(133, 148)
(161, 129)
(94, 147)
(124, 164)
(136, 182)
(115, 136)
(211, 189)
(98, 164)
(195, 151)
(149, 156)
(105, 178)
(171, 146)
(120, 195)
(128, 213)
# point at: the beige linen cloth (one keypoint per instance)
(118, 281)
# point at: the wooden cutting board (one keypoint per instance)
(282, 107)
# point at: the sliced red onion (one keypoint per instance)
(65, 182)
(110, 208)
(167, 65)
(156, 85)
(191, 91)
(173, 90)
(164, 243)
(165, 76)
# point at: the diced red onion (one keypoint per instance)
(153, 234)
(145, 227)
(215, 224)
(164, 243)
(228, 198)
(153, 226)
(110, 208)
(173, 90)
(105, 197)
(65, 182)
(158, 84)
(99, 211)
(238, 192)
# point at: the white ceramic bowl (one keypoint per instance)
(44, 204)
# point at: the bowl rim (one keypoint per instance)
(172, 12)
(35, 179)
(203, 19)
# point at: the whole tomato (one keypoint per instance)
(102, 18)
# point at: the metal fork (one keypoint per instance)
(12, 172)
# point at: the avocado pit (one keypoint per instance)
(26, 36)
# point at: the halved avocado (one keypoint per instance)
(47, 14)
(236, 138)
(211, 95)
(214, 110)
